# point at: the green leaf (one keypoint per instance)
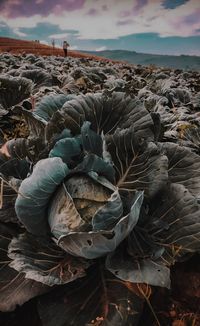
(138, 260)
(138, 270)
(174, 223)
(13, 90)
(192, 137)
(105, 114)
(138, 166)
(101, 180)
(94, 244)
(67, 149)
(50, 104)
(13, 167)
(23, 148)
(41, 114)
(43, 261)
(184, 167)
(15, 289)
(66, 133)
(97, 299)
(7, 211)
(91, 141)
(141, 244)
(36, 124)
(39, 78)
(35, 193)
(158, 127)
(94, 163)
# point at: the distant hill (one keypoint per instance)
(171, 61)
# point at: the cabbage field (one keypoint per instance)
(99, 193)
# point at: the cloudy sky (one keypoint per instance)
(150, 26)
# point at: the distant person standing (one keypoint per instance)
(53, 43)
(65, 46)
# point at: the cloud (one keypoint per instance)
(59, 36)
(47, 31)
(104, 7)
(124, 22)
(105, 19)
(92, 12)
(102, 48)
(24, 8)
(139, 4)
(17, 32)
(192, 18)
(6, 30)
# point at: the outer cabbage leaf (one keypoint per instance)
(158, 127)
(43, 261)
(38, 118)
(23, 148)
(70, 85)
(13, 90)
(138, 259)
(3, 112)
(12, 167)
(39, 78)
(36, 124)
(105, 114)
(35, 192)
(15, 289)
(138, 166)
(7, 210)
(192, 138)
(174, 223)
(184, 167)
(99, 299)
(114, 84)
(135, 270)
(50, 104)
(94, 244)
(170, 233)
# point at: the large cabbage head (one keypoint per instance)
(73, 197)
